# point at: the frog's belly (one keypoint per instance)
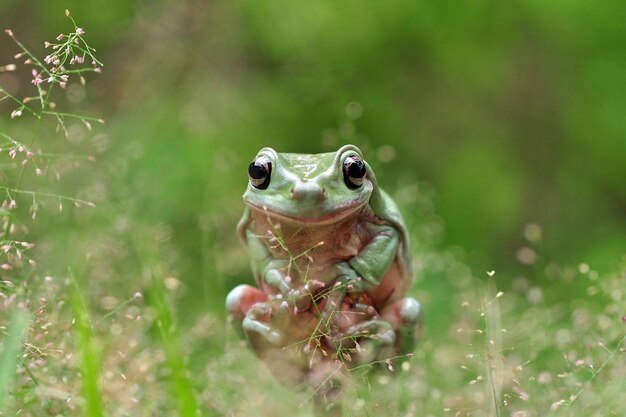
(315, 249)
(318, 259)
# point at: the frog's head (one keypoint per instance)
(313, 189)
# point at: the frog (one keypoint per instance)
(331, 258)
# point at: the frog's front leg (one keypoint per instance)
(366, 269)
(272, 271)
(374, 260)
(265, 266)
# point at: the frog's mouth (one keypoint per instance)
(339, 213)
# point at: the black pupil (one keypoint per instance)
(355, 168)
(257, 170)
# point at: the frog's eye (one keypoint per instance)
(354, 171)
(259, 172)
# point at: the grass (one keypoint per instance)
(90, 365)
(12, 347)
(181, 387)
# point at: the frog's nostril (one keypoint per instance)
(308, 191)
(322, 194)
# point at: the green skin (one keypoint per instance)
(308, 232)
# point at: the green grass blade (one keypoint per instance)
(181, 385)
(90, 357)
(10, 354)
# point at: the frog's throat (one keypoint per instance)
(338, 214)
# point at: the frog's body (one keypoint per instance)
(327, 244)
(332, 243)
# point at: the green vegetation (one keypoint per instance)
(90, 365)
(497, 128)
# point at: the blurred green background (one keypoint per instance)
(479, 117)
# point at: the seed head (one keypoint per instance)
(7, 68)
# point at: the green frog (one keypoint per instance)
(331, 257)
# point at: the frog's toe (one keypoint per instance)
(255, 328)
(275, 337)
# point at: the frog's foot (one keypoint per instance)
(366, 339)
(406, 317)
(257, 322)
